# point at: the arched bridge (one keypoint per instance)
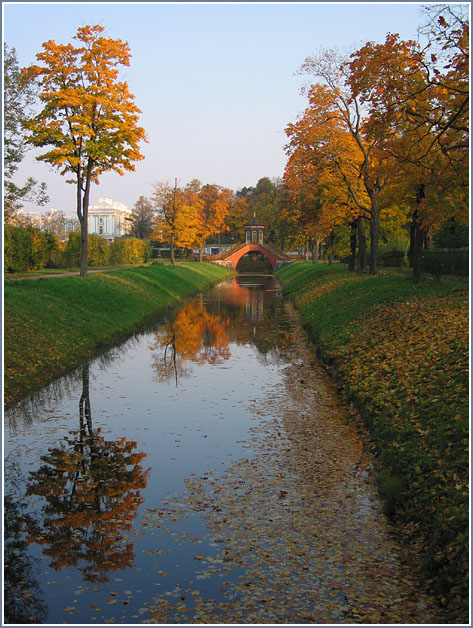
(232, 256)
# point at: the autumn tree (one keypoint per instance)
(18, 98)
(89, 117)
(142, 218)
(421, 96)
(238, 216)
(322, 173)
(176, 218)
(374, 168)
(92, 491)
(212, 209)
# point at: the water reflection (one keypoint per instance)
(92, 489)
(193, 334)
(241, 311)
(23, 601)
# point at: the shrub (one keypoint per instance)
(452, 235)
(130, 251)
(247, 265)
(72, 252)
(391, 258)
(437, 263)
(26, 248)
(98, 250)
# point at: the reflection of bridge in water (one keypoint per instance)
(252, 292)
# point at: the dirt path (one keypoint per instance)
(72, 273)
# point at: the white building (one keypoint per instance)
(109, 219)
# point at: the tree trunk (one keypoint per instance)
(374, 232)
(201, 248)
(315, 250)
(84, 219)
(417, 235)
(173, 260)
(416, 247)
(331, 244)
(361, 244)
(306, 252)
(353, 240)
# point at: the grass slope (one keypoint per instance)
(53, 325)
(400, 351)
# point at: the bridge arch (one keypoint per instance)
(234, 256)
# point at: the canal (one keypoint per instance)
(203, 472)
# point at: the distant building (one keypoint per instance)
(109, 219)
(54, 221)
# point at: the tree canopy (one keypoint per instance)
(89, 118)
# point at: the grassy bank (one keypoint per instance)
(400, 352)
(52, 325)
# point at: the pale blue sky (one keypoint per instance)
(216, 83)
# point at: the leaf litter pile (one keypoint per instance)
(294, 532)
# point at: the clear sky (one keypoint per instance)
(216, 82)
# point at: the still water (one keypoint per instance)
(203, 472)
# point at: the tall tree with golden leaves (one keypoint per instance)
(212, 211)
(89, 118)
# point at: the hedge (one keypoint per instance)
(26, 248)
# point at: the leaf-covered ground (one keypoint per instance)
(401, 353)
(297, 531)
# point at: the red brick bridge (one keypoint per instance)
(232, 256)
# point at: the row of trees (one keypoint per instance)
(384, 140)
(188, 216)
(385, 135)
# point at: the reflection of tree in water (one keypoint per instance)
(92, 492)
(21, 592)
(195, 335)
(29, 410)
(201, 332)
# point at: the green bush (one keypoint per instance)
(438, 263)
(26, 248)
(452, 235)
(130, 251)
(72, 252)
(247, 265)
(391, 258)
(98, 250)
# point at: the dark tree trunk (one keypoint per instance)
(374, 233)
(331, 244)
(84, 218)
(417, 236)
(173, 259)
(315, 250)
(353, 241)
(361, 244)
